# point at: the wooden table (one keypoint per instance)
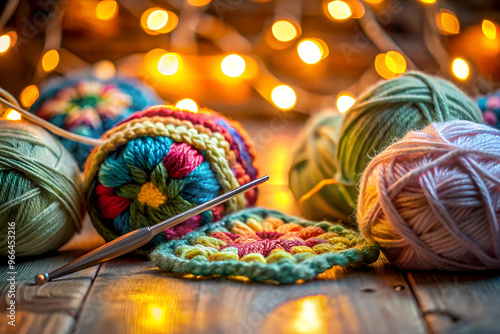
(129, 295)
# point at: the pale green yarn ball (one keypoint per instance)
(40, 190)
(311, 176)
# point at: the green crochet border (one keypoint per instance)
(283, 271)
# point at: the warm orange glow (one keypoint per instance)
(312, 50)
(106, 10)
(12, 115)
(447, 22)
(345, 101)
(310, 315)
(156, 314)
(169, 63)
(339, 10)
(158, 21)
(460, 68)
(233, 66)
(4, 43)
(284, 30)
(381, 67)
(357, 9)
(284, 97)
(489, 29)
(29, 95)
(199, 3)
(428, 1)
(50, 60)
(104, 69)
(374, 2)
(395, 61)
(187, 104)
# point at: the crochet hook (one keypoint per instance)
(135, 239)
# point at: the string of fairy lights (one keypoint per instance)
(285, 32)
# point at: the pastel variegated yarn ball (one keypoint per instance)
(432, 199)
(89, 106)
(162, 161)
(490, 106)
(263, 245)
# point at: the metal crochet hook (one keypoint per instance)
(135, 239)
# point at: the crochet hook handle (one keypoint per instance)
(135, 239)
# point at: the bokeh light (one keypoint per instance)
(395, 61)
(158, 21)
(4, 43)
(284, 31)
(198, 3)
(312, 50)
(489, 29)
(428, 1)
(345, 101)
(169, 63)
(187, 104)
(50, 60)
(233, 66)
(460, 68)
(12, 115)
(284, 97)
(29, 95)
(106, 10)
(447, 22)
(339, 10)
(104, 69)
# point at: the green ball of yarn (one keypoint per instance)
(381, 116)
(311, 176)
(40, 191)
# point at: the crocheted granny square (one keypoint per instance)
(264, 244)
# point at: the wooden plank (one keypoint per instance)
(458, 303)
(129, 295)
(50, 308)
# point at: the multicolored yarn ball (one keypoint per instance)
(311, 175)
(432, 200)
(41, 194)
(163, 161)
(490, 106)
(382, 115)
(264, 244)
(89, 106)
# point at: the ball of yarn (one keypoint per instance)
(89, 106)
(385, 113)
(432, 200)
(311, 175)
(490, 106)
(163, 161)
(41, 194)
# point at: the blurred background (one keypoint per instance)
(268, 64)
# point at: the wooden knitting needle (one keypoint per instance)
(135, 239)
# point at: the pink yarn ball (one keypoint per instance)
(432, 200)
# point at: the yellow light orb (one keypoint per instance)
(374, 2)
(4, 43)
(29, 95)
(312, 50)
(106, 10)
(344, 102)
(233, 66)
(284, 31)
(339, 10)
(12, 115)
(489, 29)
(284, 97)
(187, 104)
(50, 60)
(428, 1)
(199, 3)
(447, 22)
(104, 69)
(157, 19)
(169, 63)
(460, 68)
(381, 67)
(395, 61)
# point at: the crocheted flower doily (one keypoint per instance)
(264, 245)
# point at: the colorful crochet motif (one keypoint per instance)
(90, 106)
(163, 161)
(490, 106)
(264, 245)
